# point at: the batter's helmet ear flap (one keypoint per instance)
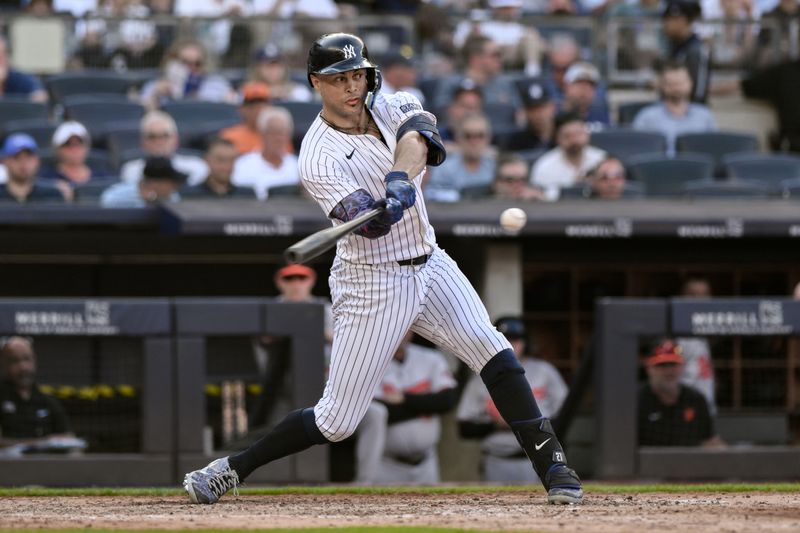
(374, 82)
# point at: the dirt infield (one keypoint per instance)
(728, 512)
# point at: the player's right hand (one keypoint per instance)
(393, 210)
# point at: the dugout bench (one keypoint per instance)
(172, 375)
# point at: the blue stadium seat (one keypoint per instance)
(583, 192)
(39, 128)
(770, 169)
(303, 115)
(188, 114)
(474, 192)
(625, 143)
(732, 188)
(627, 111)
(18, 109)
(284, 191)
(717, 144)
(502, 117)
(664, 176)
(63, 85)
(791, 189)
(102, 117)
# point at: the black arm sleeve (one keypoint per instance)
(474, 430)
(425, 127)
(416, 405)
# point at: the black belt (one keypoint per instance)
(421, 260)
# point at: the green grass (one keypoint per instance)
(591, 488)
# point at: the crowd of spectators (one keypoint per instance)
(500, 85)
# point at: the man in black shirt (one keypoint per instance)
(29, 419)
(671, 414)
(779, 85)
(220, 157)
(20, 156)
(686, 46)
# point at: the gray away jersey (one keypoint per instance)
(333, 165)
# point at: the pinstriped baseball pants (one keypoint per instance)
(374, 306)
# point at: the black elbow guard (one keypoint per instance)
(423, 125)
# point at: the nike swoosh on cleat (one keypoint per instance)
(539, 446)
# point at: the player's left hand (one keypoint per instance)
(400, 188)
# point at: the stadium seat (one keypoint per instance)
(663, 176)
(627, 112)
(625, 143)
(120, 141)
(102, 117)
(40, 129)
(770, 169)
(303, 115)
(583, 192)
(192, 112)
(502, 117)
(716, 144)
(91, 192)
(196, 136)
(474, 192)
(15, 109)
(732, 188)
(429, 87)
(63, 85)
(285, 191)
(531, 155)
(791, 189)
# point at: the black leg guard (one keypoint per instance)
(511, 393)
(295, 433)
(544, 450)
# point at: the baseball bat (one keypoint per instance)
(319, 242)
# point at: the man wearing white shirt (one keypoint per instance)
(273, 166)
(160, 139)
(568, 163)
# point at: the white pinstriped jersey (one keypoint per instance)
(333, 165)
(376, 301)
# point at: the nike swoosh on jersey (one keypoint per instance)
(351, 154)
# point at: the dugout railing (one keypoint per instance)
(170, 375)
(620, 325)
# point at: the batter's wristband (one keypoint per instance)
(396, 175)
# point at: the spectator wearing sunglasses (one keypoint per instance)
(607, 180)
(184, 77)
(160, 139)
(471, 164)
(511, 179)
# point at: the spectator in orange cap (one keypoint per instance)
(245, 136)
(672, 414)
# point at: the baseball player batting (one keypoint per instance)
(367, 150)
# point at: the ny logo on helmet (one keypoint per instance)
(349, 51)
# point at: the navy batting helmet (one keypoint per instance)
(341, 52)
(510, 326)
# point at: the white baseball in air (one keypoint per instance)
(513, 219)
